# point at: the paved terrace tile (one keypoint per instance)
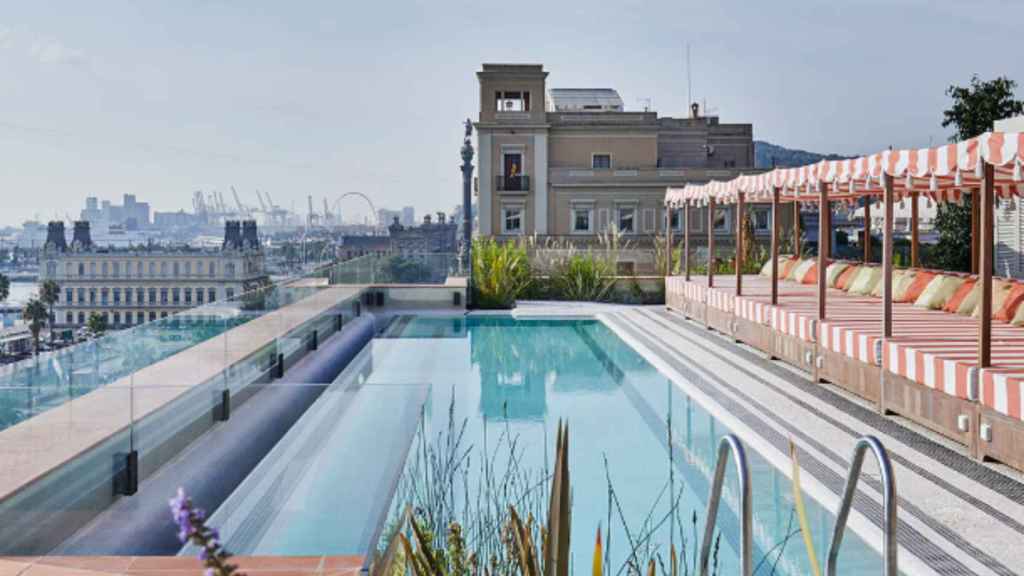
(34, 447)
(176, 565)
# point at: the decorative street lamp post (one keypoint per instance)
(467, 206)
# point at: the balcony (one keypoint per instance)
(520, 183)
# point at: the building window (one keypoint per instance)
(163, 295)
(212, 293)
(128, 318)
(140, 317)
(582, 219)
(138, 269)
(229, 293)
(152, 295)
(117, 295)
(92, 296)
(188, 268)
(721, 220)
(81, 295)
(212, 269)
(177, 269)
(81, 317)
(140, 295)
(69, 318)
(81, 269)
(163, 269)
(117, 269)
(67, 295)
(117, 318)
(92, 269)
(199, 296)
(51, 269)
(104, 292)
(176, 295)
(104, 268)
(229, 270)
(599, 161)
(511, 101)
(163, 314)
(188, 296)
(199, 268)
(152, 316)
(626, 219)
(761, 219)
(512, 220)
(127, 295)
(152, 269)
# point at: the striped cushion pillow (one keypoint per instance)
(1013, 301)
(847, 276)
(921, 281)
(954, 302)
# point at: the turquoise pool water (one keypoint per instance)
(489, 391)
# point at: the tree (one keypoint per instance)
(36, 315)
(49, 293)
(96, 324)
(5, 287)
(975, 109)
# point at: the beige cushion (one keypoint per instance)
(766, 270)
(938, 291)
(896, 275)
(833, 271)
(969, 304)
(866, 280)
(901, 283)
(1018, 318)
(1000, 290)
(798, 271)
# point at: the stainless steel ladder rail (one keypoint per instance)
(730, 443)
(889, 547)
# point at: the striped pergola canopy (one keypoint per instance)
(941, 173)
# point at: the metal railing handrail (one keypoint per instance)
(730, 443)
(889, 547)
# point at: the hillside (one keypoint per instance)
(766, 152)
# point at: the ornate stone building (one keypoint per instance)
(130, 286)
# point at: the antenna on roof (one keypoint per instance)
(689, 78)
(648, 103)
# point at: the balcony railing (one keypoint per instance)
(520, 183)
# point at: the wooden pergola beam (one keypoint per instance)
(668, 240)
(824, 235)
(867, 229)
(775, 246)
(711, 242)
(915, 261)
(975, 229)
(887, 256)
(740, 208)
(987, 227)
(686, 238)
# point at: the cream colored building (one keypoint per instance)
(136, 285)
(573, 163)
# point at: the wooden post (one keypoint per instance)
(824, 235)
(887, 259)
(975, 229)
(797, 249)
(987, 226)
(915, 261)
(686, 238)
(775, 245)
(668, 240)
(711, 241)
(867, 229)
(740, 208)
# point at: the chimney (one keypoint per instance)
(426, 219)
(232, 235)
(55, 239)
(81, 239)
(250, 236)
(440, 217)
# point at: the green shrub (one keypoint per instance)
(501, 273)
(583, 277)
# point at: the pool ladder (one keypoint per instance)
(730, 444)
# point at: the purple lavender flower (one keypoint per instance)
(191, 522)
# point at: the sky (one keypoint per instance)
(319, 98)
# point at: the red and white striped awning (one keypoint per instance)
(941, 173)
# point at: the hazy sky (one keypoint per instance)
(295, 98)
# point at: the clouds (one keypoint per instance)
(54, 53)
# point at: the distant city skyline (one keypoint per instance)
(322, 98)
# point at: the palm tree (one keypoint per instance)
(97, 324)
(36, 315)
(49, 293)
(5, 287)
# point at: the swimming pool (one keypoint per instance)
(491, 391)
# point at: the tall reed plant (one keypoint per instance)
(583, 276)
(501, 273)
